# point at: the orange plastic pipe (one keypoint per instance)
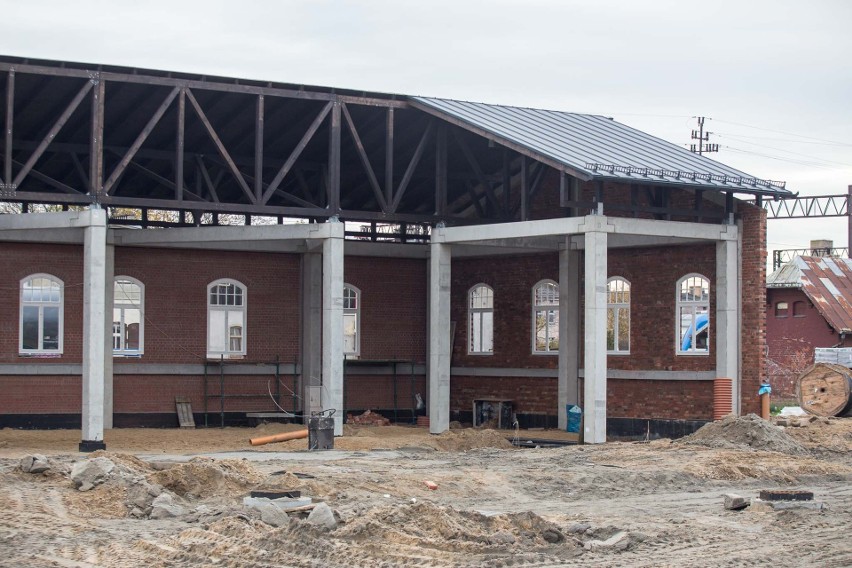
(278, 438)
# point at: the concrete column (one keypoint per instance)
(332, 324)
(440, 348)
(311, 383)
(94, 318)
(727, 316)
(594, 356)
(569, 330)
(109, 277)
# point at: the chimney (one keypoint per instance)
(822, 247)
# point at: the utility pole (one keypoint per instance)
(702, 137)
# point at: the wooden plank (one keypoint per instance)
(184, 412)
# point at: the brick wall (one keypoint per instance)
(20, 260)
(393, 306)
(176, 301)
(753, 337)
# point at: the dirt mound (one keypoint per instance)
(470, 439)
(203, 477)
(426, 524)
(744, 431)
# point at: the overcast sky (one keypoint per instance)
(773, 77)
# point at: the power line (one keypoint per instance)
(782, 159)
(787, 151)
(782, 139)
(782, 132)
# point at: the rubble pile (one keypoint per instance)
(369, 418)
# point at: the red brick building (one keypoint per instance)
(256, 247)
(809, 305)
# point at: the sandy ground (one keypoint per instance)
(617, 504)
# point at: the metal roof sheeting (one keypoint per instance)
(597, 147)
(826, 281)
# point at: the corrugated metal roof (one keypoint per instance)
(597, 147)
(826, 281)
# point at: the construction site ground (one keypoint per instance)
(657, 503)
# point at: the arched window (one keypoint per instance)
(693, 315)
(545, 317)
(618, 316)
(480, 317)
(798, 309)
(128, 316)
(42, 297)
(226, 319)
(351, 321)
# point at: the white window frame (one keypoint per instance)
(41, 304)
(693, 304)
(475, 344)
(614, 307)
(228, 353)
(536, 308)
(122, 350)
(349, 311)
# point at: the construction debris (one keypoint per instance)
(749, 431)
(368, 418)
(35, 463)
(734, 502)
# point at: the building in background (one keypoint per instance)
(809, 305)
(387, 246)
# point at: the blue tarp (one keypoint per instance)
(701, 322)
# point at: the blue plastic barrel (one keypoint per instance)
(575, 414)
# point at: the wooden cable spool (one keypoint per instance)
(825, 390)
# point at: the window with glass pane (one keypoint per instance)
(127, 316)
(546, 317)
(618, 316)
(693, 312)
(480, 320)
(226, 319)
(351, 321)
(41, 315)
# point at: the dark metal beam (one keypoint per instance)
(96, 155)
(51, 134)
(334, 160)
(221, 147)
(258, 148)
(412, 165)
(10, 110)
(525, 190)
(143, 135)
(211, 186)
(389, 120)
(365, 160)
(51, 181)
(474, 165)
(205, 85)
(441, 171)
(180, 139)
(297, 151)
